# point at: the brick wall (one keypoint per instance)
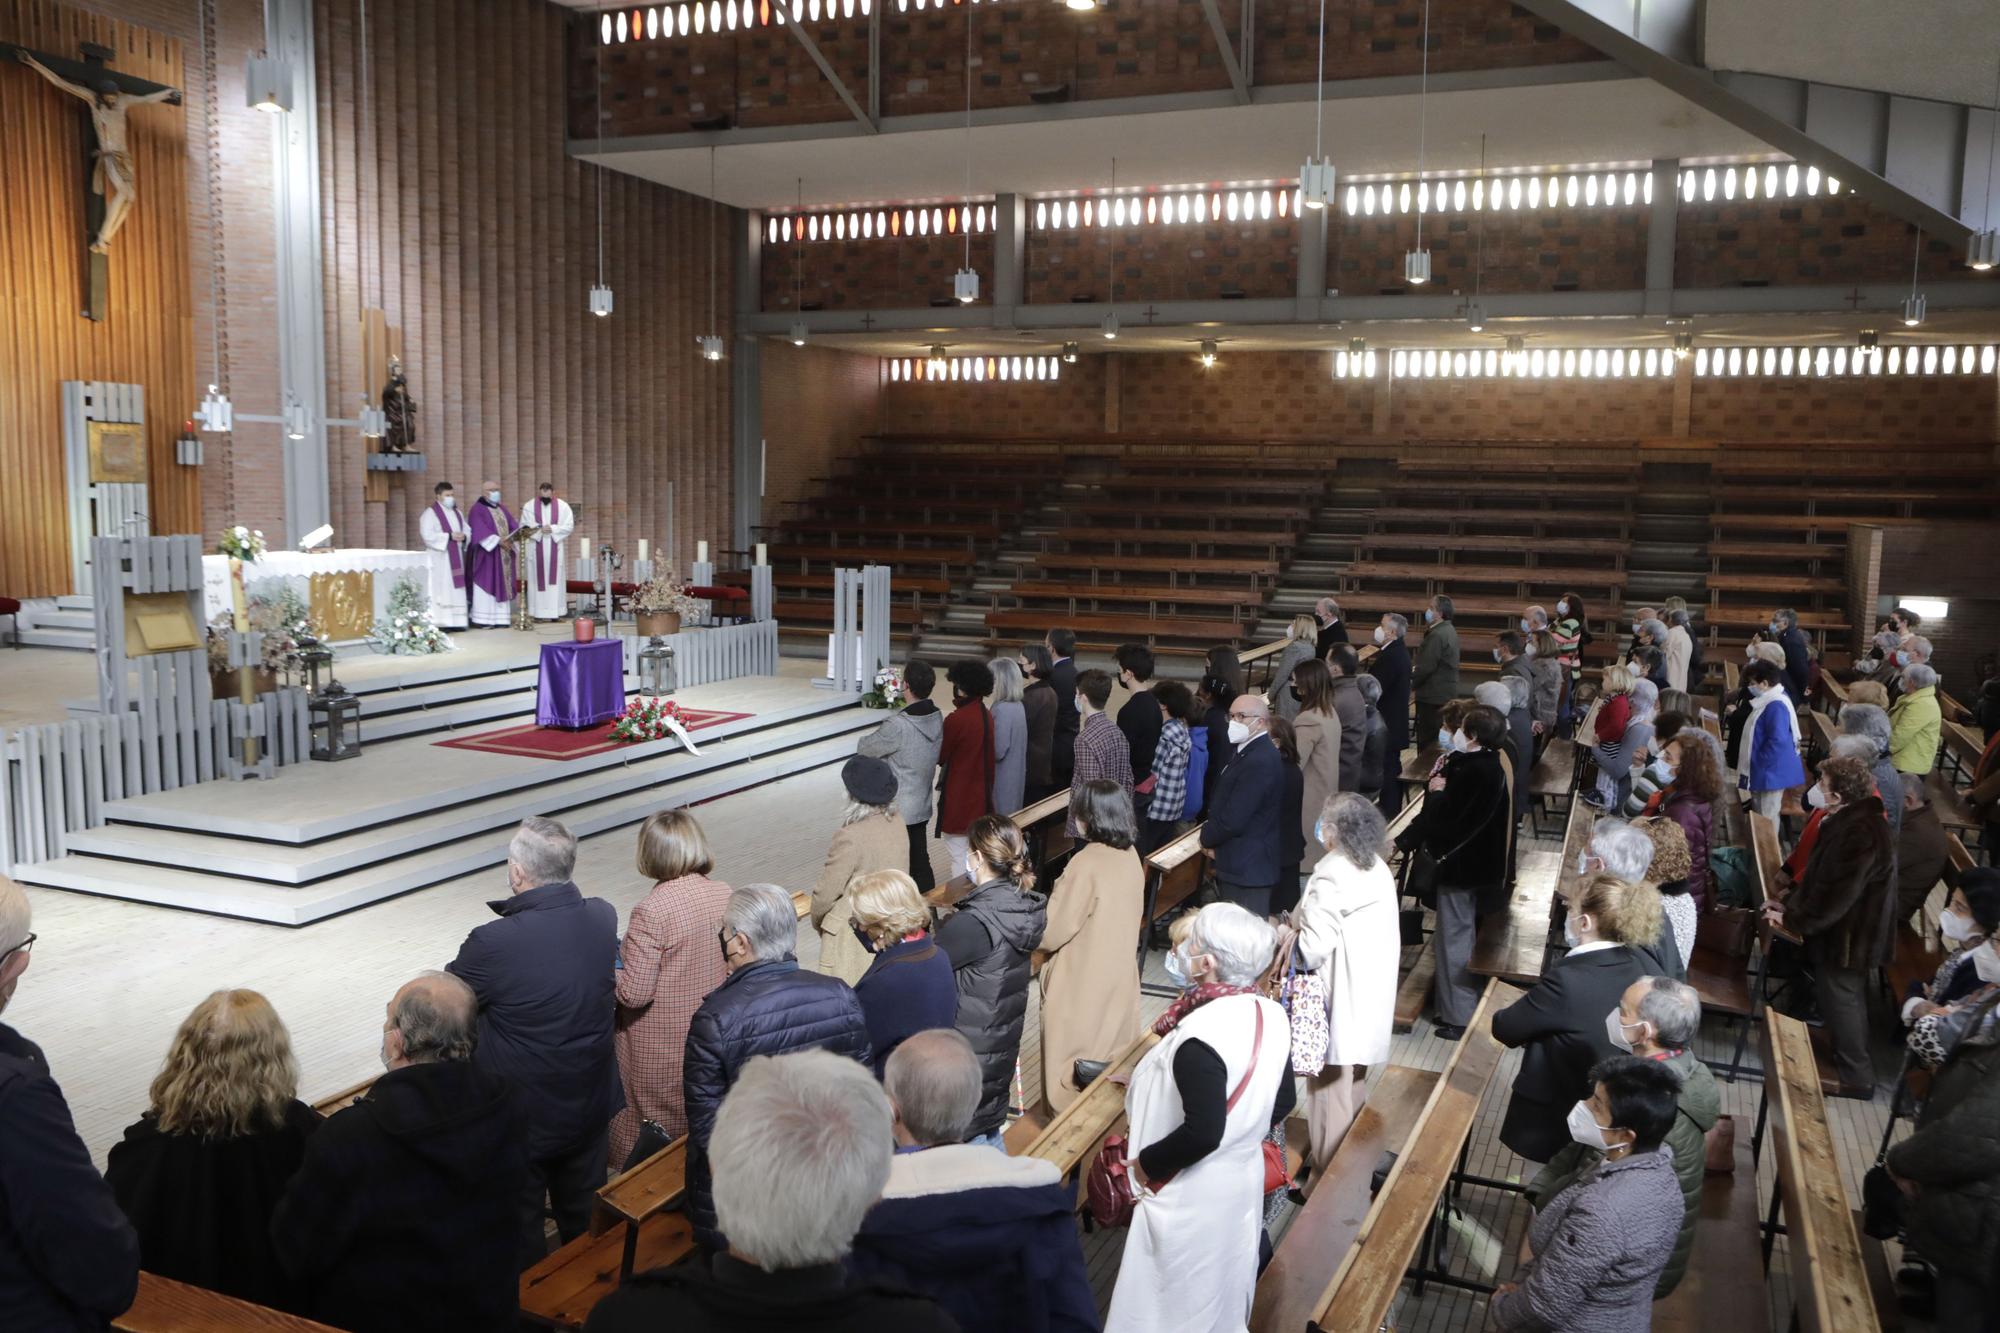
(1161, 263)
(1123, 48)
(1072, 405)
(1554, 250)
(860, 275)
(1801, 242)
(1870, 408)
(1953, 561)
(818, 401)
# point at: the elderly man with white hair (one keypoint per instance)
(1916, 721)
(1656, 1019)
(1198, 1108)
(767, 1005)
(1867, 735)
(1332, 629)
(547, 996)
(991, 1238)
(68, 1257)
(801, 1149)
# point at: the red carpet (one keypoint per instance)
(537, 742)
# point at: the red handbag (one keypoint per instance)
(1108, 1186)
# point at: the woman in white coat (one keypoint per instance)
(1346, 952)
(1198, 1108)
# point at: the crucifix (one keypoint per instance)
(108, 97)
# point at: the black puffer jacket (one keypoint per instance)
(989, 940)
(767, 1008)
(1954, 1157)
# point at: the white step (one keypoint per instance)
(71, 603)
(57, 618)
(76, 640)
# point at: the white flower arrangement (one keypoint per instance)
(241, 543)
(406, 630)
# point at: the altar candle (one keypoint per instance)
(642, 548)
(583, 548)
(701, 552)
(763, 554)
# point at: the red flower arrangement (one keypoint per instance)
(645, 719)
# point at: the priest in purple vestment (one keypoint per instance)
(493, 576)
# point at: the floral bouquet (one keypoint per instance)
(888, 691)
(270, 616)
(405, 628)
(650, 719)
(241, 543)
(664, 593)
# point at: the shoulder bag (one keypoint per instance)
(1109, 1184)
(1420, 868)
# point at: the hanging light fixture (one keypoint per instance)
(1109, 328)
(215, 414)
(1316, 176)
(1207, 353)
(937, 359)
(1070, 352)
(1357, 347)
(1080, 5)
(1683, 340)
(798, 335)
(965, 282)
(1913, 304)
(268, 83)
(1868, 340)
(297, 421)
(1475, 318)
(1417, 263)
(600, 293)
(1982, 252)
(711, 343)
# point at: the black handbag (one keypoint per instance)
(1881, 1204)
(653, 1136)
(1420, 868)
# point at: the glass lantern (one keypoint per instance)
(314, 659)
(336, 723)
(656, 668)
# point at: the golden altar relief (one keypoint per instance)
(343, 605)
(117, 451)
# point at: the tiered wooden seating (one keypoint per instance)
(1447, 578)
(632, 1229)
(1512, 945)
(1808, 525)
(957, 482)
(1216, 483)
(1271, 542)
(1724, 1286)
(1446, 545)
(1238, 572)
(916, 508)
(1103, 631)
(1829, 1278)
(941, 562)
(905, 536)
(1190, 511)
(1358, 1296)
(1292, 1289)
(1174, 874)
(1159, 599)
(1072, 1138)
(1045, 823)
(1536, 522)
(1473, 490)
(166, 1306)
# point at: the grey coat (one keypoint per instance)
(1352, 710)
(1010, 757)
(1600, 1247)
(1281, 700)
(1546, 695)
(909, 742)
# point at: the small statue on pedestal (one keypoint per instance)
(400, 409)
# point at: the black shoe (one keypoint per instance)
(1448, 1031)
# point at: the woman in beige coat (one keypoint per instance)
(1090, 963)
(871, 837)
(1317, 733)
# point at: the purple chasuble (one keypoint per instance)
(492, 571)
(451, 546)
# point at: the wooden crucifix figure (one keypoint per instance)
(108, 97)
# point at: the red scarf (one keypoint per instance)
(1194, 998)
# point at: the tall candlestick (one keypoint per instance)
(642, 548)
(583, 548)
(701, 552)
(763, 554)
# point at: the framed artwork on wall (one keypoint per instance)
(118, 452)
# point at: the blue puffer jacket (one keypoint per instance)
(767, 1008)
(1773, 764)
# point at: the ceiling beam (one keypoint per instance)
(832, 76)
(1227, 50)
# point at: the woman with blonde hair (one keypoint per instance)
(989, 940)
(667, 964)
(908, 988)
(1300, 639)
(871, 837)
(224, 1132)
(1561, 1024)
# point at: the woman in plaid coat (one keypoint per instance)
(668, 962)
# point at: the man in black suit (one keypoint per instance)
(1332, 629)
(1062, 679)
(1392, 667)
(1242, 830)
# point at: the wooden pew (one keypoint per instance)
(1963, 748)
(1521, 578)
(1415, 987)
(1434, 541)
(1112, 627)
(1513, 945)
(1206, 511)
(1783, 585)
(1072, 1138)
(1362, 1289)
(1045, 824)
(1174, 874)
(1289, 1290)
(345, 1098)
(633, 1228)
(1724, 1284)
(1253, 572)
(1265, 653)
(1552, 779)
(1159, 599)
(1829, 1278)
(166, 1306)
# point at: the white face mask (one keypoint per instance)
(1902, 658)
(1430, 617)
(1572, 933)
(493, 496)
(1817, 797)
(1614, 1030)
(1177, 968)
(1381, 636)
(1954, 927)
(1239, 732)
(1290, 634)
(1987, 964)
(1586, 864)
(1460, 741)
(1444, 739)
(1496, 655)
(1524, 626)
(1583, 1127)
(449, 502)
(1562, 608)
(1319, 833)
(1079, 703)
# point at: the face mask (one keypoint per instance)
(449, 502)
(493, 497)
(1444, 739)
(547, 498)
(1430, 617)
(1524, 626)
(1776, 628)
(1290, 634)
(1954, 927)
(1571, 935)
(1636, 631)
(1562, 608)
(1381, 636)
(1177, 968)
(1902, 658)
(1239, 732)
(1319, 833)
(1079, 703)
(1460, 741)
(1297, 698)
(723, 940)
(1496, 655)
(862, 935)
(1816, 798)
(1987, 964)
(1614, 1031)
(1668, 771)
(1749, 652)
(1583, 1127)
(1586, 864)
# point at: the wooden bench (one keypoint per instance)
(166, 1306)
(824, 582)
(1723, 1287)
(1537, 521)
(345, 1098)
(1358, 1297)
(1442, 577)
(944, 561)
(969, 533)
(1070, 1141)
(1194, 541)
(794, 612)
(1154, 595)
(1962, 749)
(1104, 628)
(633, 1229)
(1209, 513)
(1174, 875)
(1779, 584)
(924, 509)
(1829, 1278)
(1469, 489)
(1807, 551)
(1447, 543)
(1045, 824)
(1513, 945)
(1756, 617)
(1806, 523)
(1253, 571)
(1291, 1289)
(1552, 779)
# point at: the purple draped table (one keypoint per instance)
(582, 684)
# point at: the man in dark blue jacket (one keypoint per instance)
(1242, 831)
(1062, 679)
(68, 1258)
(547, 997)
(989, 1237)
(1784, 626)
(766, 1006)
(1392, 668)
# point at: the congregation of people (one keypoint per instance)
(846, 1119)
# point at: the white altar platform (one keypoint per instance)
(323, 838)
(298, 567)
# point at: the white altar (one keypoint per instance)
(298, 568)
